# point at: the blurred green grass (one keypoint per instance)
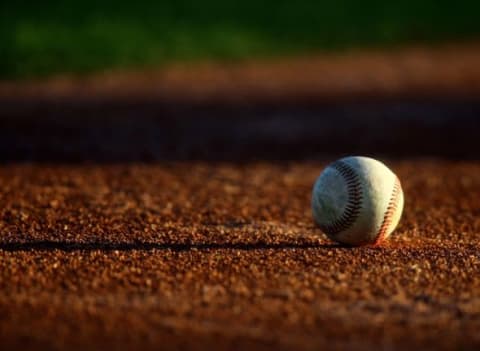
(42, 38)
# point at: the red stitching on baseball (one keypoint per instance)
(391, 209)
(354, 201)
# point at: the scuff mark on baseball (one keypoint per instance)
(357, 201)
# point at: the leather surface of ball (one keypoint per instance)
(357, 201)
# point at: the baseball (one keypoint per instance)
(357, 201)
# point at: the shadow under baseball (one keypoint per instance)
(48, 245)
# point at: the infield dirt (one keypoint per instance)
(210, 243)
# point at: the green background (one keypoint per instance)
(40, 38)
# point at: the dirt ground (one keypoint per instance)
(147, 219)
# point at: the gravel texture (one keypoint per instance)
(171, 209)
(224, 256)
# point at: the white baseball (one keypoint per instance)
(357, 201)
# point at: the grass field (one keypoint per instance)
(41, 38)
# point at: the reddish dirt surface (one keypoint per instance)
(133, 217)
(448, 70)
(409, 102)
(204, 256)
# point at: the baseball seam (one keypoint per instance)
(391, 209)
(354, 200)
